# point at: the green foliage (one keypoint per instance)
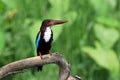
(2, 40)
(103, 57)
(110, 22)
(90, 41)
(107, 36)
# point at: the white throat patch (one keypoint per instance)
(47, 34)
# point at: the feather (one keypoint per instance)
(37, 41)
(47, 34)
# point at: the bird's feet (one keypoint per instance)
(40, 55)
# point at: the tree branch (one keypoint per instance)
(19, 66)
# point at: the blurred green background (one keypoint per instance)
(90, 41)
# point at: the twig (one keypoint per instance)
(19, 66)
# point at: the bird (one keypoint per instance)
(44, 38)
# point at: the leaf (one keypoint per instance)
(111, 22)
(10, 4)
(59, 3)
(57, 31)
(101, 6)
(71, 16)
(107, 36)
(34, 30)
(112, 3)
(2, 7)
(105, 58)
(2, 40)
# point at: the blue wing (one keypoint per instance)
(37, 41)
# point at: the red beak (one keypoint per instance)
(55, 22)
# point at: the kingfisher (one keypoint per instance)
(44, 38)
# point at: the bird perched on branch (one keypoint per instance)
(45, 37)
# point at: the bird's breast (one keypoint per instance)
(47, 34)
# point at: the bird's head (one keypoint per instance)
(50, 22)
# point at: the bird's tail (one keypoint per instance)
(39, 68)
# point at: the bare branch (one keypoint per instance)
(19, 66)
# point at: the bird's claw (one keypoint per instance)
(40, 55)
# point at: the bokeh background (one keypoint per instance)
(90, 41)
